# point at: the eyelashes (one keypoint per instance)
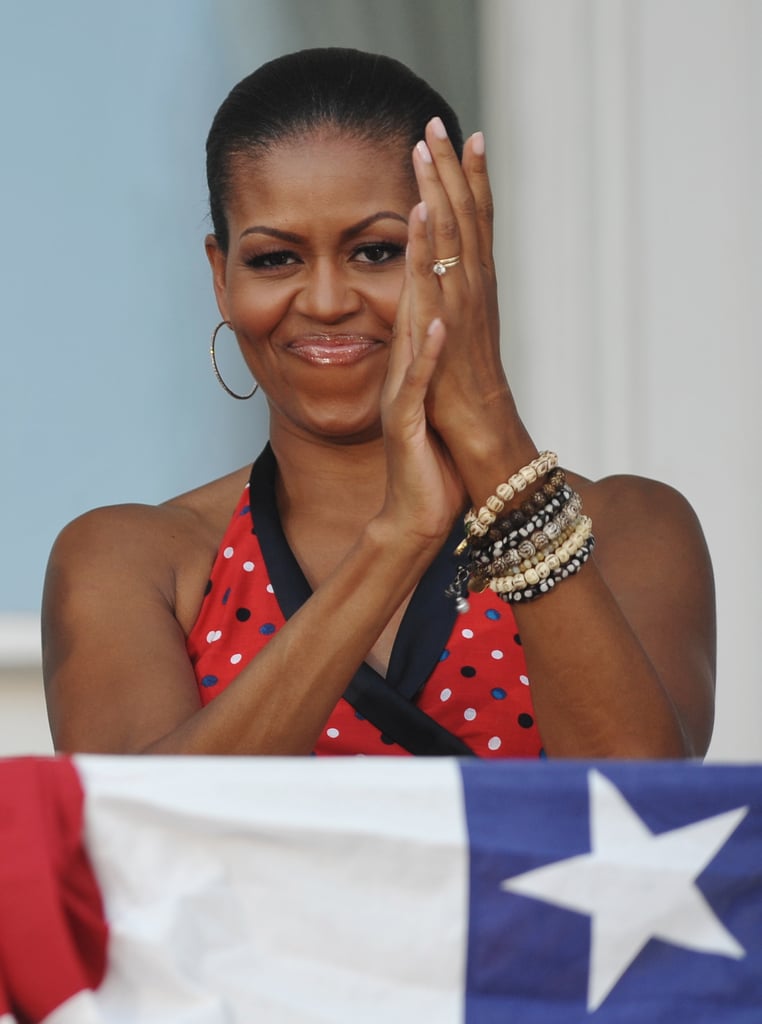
(369, 254)
(379, 252)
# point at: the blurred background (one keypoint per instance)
(625, 144)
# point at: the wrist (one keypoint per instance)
(488, 451)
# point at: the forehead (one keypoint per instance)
(307, 175)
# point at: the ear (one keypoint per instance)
(218, 262)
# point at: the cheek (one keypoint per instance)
(258, 308)
(388, 296)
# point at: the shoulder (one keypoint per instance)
(650, 545)
(145, 546)
(626, 501)
(182, 520)
(638, 509)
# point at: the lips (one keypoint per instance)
(333, 349)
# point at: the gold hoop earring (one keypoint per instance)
(217, 374)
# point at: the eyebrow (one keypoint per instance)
(354, 229)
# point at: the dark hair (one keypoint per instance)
(369, 96)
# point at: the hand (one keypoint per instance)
(422, 483)
(469, 402)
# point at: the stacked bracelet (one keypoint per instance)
(481, 521)
(526, 552)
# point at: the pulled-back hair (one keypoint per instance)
(368, 96)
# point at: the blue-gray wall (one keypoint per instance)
(105, 305)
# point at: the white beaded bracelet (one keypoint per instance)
(479, 522)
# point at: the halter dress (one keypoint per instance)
(465, 670)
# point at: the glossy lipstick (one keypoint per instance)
(333, 349)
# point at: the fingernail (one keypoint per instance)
(438, 127)
(424, 151)
(477, 143)
(423, 211)
(435, 323)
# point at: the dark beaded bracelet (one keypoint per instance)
(570, 568)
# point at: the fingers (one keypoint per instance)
(400, 352)
(425, 294)
(475, 171)
(458, 197)
(418, 306)
(404, 411)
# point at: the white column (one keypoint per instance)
(625, 142)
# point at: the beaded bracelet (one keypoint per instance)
(545, 568)
(505, 492)
(570, 568)
(530, 549)
(532, 514)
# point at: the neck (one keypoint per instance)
(342, 482)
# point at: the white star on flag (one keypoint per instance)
(635, 886)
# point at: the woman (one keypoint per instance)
(359, 283)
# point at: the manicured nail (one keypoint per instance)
(477, 143)
(423, 211)
(423, 151)
(438, 128)
(434, 325)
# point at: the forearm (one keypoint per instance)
(620, 653)
(280, 702)
(595, 690)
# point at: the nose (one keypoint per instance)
(327, 294)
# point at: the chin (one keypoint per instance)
(337, 421)
(346, 430)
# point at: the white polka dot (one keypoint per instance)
(495, 743)
(467, 633)
(524, 680)
(212, 635)
(333, 733)
(228, 552)
(235, 658)
(445, 694)
(269, 588)
(248, 567)
(497, 655)
(469, 714)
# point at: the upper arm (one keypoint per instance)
(117, 675)
(654, 558)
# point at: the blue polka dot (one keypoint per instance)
(208, 680)
(225, 596)
(492, 613)
(359, 717)
(444, 655)
(245, 510)
(498, 693)
(267, 628)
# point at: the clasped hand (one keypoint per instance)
(446, 394)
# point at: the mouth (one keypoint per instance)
(333, 349)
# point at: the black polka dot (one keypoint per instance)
(243, 614)
(525, 721)
(468, 671)
(517, 639)
(208, 587)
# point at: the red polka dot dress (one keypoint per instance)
(471, 677)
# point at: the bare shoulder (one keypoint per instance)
(122, 590)
(640, 513)
(146, 546)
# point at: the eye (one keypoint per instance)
(378, 252)
(271, 260)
